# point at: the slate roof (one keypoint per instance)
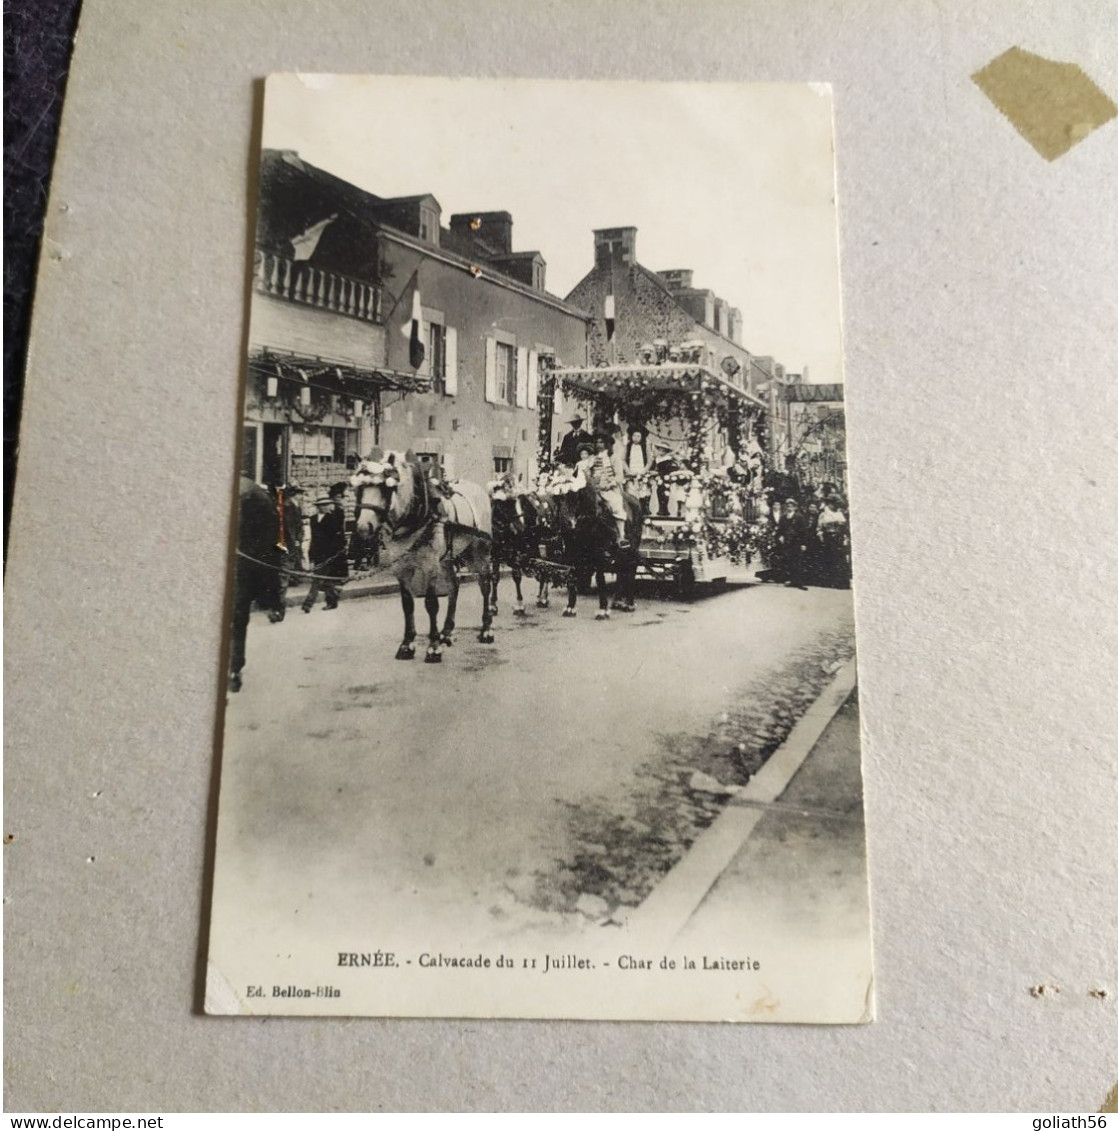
(295, 195)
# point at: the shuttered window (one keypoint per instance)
(491, 370)
(533, 378)
(506, 374)
(450, 381)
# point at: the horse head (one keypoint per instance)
(385, 487)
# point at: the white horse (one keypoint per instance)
(426, 532)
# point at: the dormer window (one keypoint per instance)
(428, 224)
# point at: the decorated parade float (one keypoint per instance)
(688, 441)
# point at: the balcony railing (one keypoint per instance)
(298, 281)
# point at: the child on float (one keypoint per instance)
(599, 471)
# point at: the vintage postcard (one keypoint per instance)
(542, 689)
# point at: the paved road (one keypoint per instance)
(535, 785)
(799, 881)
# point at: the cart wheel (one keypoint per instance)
(685, 582)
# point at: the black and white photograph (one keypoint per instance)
(541, 694)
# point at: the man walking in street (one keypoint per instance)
(289, 543)
(792, 537)
(256, 576)
(328, 549)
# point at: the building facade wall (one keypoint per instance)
(464, 429)
(644, 311)
(286, 326)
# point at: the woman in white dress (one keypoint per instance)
(636, 464)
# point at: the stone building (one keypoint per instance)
(490, 325)
(643, 317)
(339, 275)
(651, 306)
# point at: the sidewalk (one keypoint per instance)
(789, 849)
(379, 585)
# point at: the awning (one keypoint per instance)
(335, 375)
(812, 394)
(632, 382)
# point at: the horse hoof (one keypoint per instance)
(405, 652)
(519, 613)
(446, 640)
(601, 616)
(234, 681)
(543, 604)
(485, 637)
(493, 610)
(433, 658)
(569, 612)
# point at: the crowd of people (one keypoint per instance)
(810, 541)
(805, 527)
(806, 538)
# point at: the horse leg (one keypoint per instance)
(406, 651)
(242, 608)
(572, 595)
(446, 637)
(543, 595)
(603, 595)
(631, 582)
(431, 604)
(516, 579)
(485, 573)
(626, 587)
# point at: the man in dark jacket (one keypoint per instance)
(792, 536)
(289, 542)
(328, 549)
(576, 438)
(257, 569)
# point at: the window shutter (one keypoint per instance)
(491, 370)
(521, 377)
(533, 378)
(451, 362)
(448, 465)
(425, 333)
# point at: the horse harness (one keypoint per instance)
(429, 512)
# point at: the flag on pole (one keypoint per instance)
(412, 328)
(610, 322)
(303, 245)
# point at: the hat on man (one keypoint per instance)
(323, 501)
(292, 489)
(338, 489)
(576, 419)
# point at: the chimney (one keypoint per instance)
(735, 325)
(722, 317)
(491, 228)
(528, 267)
(615, 247)
(677, 279)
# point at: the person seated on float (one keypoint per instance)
(602, 476)
(636, 469)
(577, 437)
(664, 464)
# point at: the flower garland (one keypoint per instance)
(714, 516)
(714, 511)
(308, 413)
